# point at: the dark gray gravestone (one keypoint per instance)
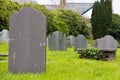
(107, 43)
(27, 45)
(80, 42)
(4, 35)
(57, 41)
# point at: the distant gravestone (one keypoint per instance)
(57, 41)
(80, 42)
(27, 45)
(50, 43)
(72, 39)
(68, 41)
(107, 43)
(4, 35)
(94, 44)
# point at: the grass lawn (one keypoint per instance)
(66, 65)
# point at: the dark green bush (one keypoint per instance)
(114, 30)
(90, 53)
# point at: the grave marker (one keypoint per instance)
(27, 45)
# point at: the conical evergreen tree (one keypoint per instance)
(101, 18)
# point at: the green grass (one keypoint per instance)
(3, 48)
(66, 65)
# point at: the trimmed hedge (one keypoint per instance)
(90, 53)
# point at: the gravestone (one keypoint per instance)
(50, 43)
(72, 38)
(57, 41)
(108, 45)
(27, 45)
(94, 44)
(4, 35)
(68, 41)
(80, 42)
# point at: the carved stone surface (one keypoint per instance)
(80, 42)
(4, 35)
(107, 43)
(57, 41)
(27, 45)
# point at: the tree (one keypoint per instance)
(101, 18)
(114, 30)
(7, 8)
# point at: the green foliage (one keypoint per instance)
(58, 23)
(69, 22)
(114, 30)
(7, 8)
(101, 18)
(90, 53)
(3, 48)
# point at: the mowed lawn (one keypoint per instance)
(65, 65)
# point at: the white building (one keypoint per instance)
(25, 1)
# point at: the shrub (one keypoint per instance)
(114, 30)
(91, 53)
(69, 22)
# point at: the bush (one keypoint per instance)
(92, 53)
(69, 22)
(7, 8)
(114, 30)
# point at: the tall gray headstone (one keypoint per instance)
(4, 35)
(27, 45)
(80, 42)
(57, 41)
(107, 43)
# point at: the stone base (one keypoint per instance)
(108, 55)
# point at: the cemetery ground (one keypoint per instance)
(66, 65)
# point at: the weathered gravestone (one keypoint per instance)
(94, 44)
(27, 47)
(4, 35)
(80, 42)
(109, 46)
(57, 41)
(70, 41)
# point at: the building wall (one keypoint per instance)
(78, 7)
(24, 1)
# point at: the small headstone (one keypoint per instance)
(80, 42)
(94, 44)
(72, 39)
(107, 43)
(68, 41)
(4, 35)
(27, 45)
(57, 41)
